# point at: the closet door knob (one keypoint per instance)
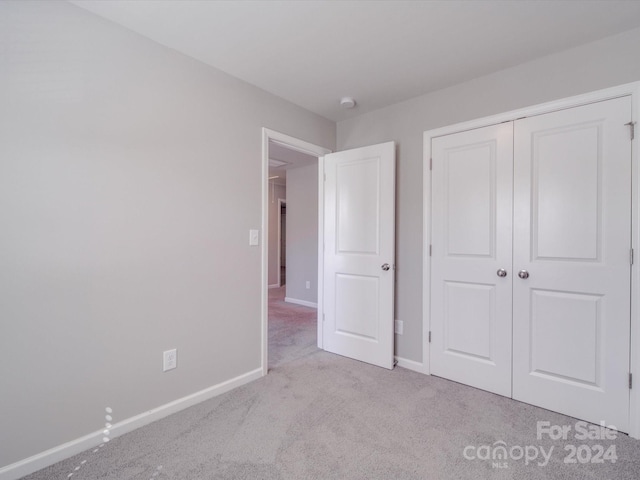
(523, 274)
(386, 267)
(502, 272)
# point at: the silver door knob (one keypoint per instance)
(523, 274)
(386, 267)
(502, 272)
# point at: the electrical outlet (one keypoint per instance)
(169, 359)
(399, 327)
(308, 284)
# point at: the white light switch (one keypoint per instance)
(399, 327)
(254, 237)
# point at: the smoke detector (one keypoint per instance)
(347, 102)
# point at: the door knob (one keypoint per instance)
(523, 274)
(386, 267)
(502, 272)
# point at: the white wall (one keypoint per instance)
(302, 233)
(275, 192)
(608, 62)
(130, 176)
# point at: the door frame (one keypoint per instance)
(281, 201)
(630, 89)
(299, 145)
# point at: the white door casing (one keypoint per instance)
(471, 247)
(309, 149)
(359, 249)
(282, 240)
(572, 235)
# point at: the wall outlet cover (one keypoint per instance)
(169, 359)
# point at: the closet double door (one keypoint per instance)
(530, 260)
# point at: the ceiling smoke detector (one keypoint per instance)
(347, 102)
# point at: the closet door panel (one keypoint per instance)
(566, 193)
(572, 234)
(472, 215)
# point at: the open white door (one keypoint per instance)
(359, 250)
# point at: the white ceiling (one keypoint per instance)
(380, 52)
(291, 158)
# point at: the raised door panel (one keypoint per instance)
(358, 209)
(355, 314)
(566, 192)
(469, 313)
(566, 337)
(470, 176)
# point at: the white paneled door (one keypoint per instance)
(530, 266)
(572, 239)
(471, 257)
(359, 249)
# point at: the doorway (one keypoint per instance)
(274, 234)
(283, 154)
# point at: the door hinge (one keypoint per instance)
(632, 126)
(429, 336)
(323, 316)
(325, 177)
(631, 257)
(429, 250)
(431, 164)
(630, 380)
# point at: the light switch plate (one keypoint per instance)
(254, 237)
(399, 327)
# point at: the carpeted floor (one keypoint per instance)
(322, 416)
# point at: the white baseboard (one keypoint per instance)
(300, 302)
(49, 457)
(274, 285)
(410, 365)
